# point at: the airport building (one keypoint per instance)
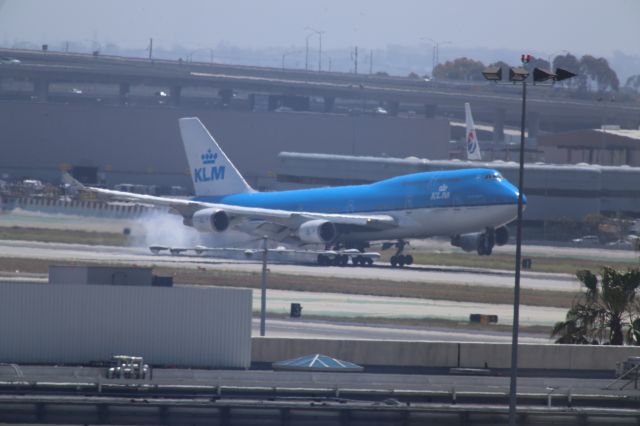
(132, 144)
(98, 313)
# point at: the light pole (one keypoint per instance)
(319, 33)
(435, 58)
(520, 74)
(263, 288)
(306, 54)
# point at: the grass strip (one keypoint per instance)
(62, 236)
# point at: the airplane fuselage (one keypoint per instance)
(423, 204)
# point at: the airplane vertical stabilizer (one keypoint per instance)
(473, 148)
(212, 172)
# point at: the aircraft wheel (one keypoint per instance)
(408, 260)
(394, 261)
(368, 261)
(323, 260)
(356, 261)
(400, 261)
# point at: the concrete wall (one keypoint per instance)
(142, 144)
(445, 354)
(77, 324)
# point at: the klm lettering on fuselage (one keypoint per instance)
(208, 172)
(441, 194)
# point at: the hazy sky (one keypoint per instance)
(580, 26)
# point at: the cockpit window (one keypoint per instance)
(494, 176)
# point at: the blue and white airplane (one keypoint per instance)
(471, 206)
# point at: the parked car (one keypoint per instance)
(9, 60)
(587, 240)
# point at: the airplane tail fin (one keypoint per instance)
(473, 148)
(212, 172)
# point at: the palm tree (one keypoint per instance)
(606, 313)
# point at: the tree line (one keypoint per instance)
(593, 74)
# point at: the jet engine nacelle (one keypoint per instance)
(482, 242)
(210, 220)
(467, 242)
(317, 231)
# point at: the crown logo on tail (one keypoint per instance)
(209, 157)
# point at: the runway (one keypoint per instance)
(438, 275)
(301, 328)
(328, 304)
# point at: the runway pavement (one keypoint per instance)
(327, 304)
(422, 274)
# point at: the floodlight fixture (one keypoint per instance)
(541, 74)
(562, 74)
(492, 73)
(518, 74)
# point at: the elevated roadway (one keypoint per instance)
(544, 103)
(81, 395)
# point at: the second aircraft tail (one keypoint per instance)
(473, 148)
(212, 172)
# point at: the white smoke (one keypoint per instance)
(164, 229)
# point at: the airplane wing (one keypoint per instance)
(236, 215)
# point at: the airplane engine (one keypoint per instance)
(467, 242)
(502, 236)
(210, 220)
(482, 242)
(317, 231)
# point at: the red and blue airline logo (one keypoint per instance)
(471, 143)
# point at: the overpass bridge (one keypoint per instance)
(548, 108)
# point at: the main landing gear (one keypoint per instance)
(343, 257)
(399, 260)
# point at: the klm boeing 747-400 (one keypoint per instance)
(471, 206)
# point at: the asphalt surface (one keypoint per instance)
(544, 384)
(330, 304)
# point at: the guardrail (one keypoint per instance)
(257, 406)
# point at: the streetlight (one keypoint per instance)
(435, 59)
(263, 287)
(319, 33)
(306, 54)
(520, 74)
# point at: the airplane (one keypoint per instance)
(473, 148)
(472, 206)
